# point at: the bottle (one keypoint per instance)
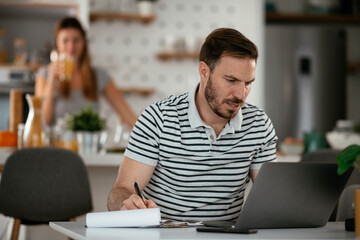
(34, 131)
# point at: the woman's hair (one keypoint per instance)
(87, 72)
(226, 42)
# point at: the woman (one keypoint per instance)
(87, 83)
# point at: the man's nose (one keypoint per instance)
(240, 91)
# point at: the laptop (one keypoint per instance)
(288, 195)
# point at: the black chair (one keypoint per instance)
(346, 208)
(39, 185)
(327, 155)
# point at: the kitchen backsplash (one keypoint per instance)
(128, 49)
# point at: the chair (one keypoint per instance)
(345, 207)
(327, 155)
(39, 185)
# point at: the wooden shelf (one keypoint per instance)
(165, 56)
(139, 91)
(30, 67)
(287, 18)
(94, 16)
(38, 10)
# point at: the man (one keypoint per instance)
(193, 154)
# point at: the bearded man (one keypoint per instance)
(193, 154)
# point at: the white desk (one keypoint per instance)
(77, 230)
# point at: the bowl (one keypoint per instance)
(340, 140)
(291, 148)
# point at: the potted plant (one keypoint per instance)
(87, 125)
(146, 7)
(350, 157)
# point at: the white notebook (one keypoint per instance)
(129, 218)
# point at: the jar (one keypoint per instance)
(63, 137)
(20, 52)
(3, 51)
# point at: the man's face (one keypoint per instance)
(229, 84)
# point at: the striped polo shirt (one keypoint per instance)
(199, 176)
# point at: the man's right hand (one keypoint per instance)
(135, 202)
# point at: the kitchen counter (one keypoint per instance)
(114, 159)
(90, 160)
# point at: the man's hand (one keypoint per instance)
(135, 202)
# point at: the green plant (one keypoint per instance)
(86, 120)
(348, 157)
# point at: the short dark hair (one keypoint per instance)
(226, 42)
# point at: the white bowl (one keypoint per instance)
(340, 140)
(291, 148)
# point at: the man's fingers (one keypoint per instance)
(133, 202)
(150, 204)
(138, 202)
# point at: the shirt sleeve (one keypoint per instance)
(102, 79)
(43, 72)
(267, 150)
(143, 145)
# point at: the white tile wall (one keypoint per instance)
(128, 49)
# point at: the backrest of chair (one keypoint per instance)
(345, 207)
(321, 155)
(44, 184)
(329, 155)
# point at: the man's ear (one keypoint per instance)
(204, 71)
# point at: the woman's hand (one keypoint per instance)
(56, 71)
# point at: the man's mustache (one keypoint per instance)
(233, 101)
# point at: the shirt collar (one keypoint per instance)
(196, 121)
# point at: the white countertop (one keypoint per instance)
(90, 160)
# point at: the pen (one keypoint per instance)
(137, 190)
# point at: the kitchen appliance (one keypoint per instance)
(19, 77)
(305, 78)
(12, 75)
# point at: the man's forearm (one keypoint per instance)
(116, 198)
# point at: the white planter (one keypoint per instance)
(87, 142)
(145, 8)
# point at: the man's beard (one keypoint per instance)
(213, 102)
